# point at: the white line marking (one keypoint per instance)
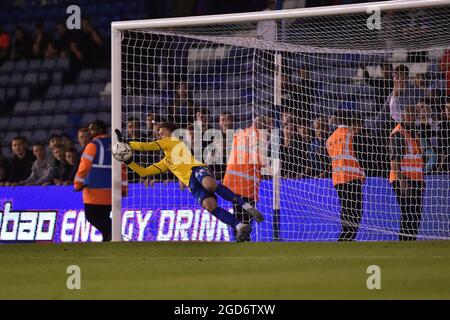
(229, 258)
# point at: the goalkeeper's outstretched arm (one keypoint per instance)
(157, 145)
(145, 146)
(152, 170)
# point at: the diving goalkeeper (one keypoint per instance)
(194, 174)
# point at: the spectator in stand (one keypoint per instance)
(443, 140)
(226, 125)
(69, 46)
(151, 124)
(383, 86)
(181, 109)
(427, 128)
(43, 170)
(66, 141)
(3, 174)
(294, 145)
(420, 88)
(51, 51)
(21, 162)
(402, 93)
(217, 160)
(202, 119)
(289, 163)
(62, 39)
(83, 137)
(201, 124)
(190, 136)
(53, 141)
(5, 45)
(71, 166)
(60, 164)
(4, 169)
(135, 133)
(40, 42)
(21, 47)
(302, 94)
(319, 159)
(91, 45)
(445, 68)
(286, 117)
(333, 123)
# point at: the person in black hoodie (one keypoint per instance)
(21, 47)
(21, 162)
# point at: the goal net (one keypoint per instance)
(297, 76)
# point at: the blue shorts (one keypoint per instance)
(195, 184)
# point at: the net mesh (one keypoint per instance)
(305, 77)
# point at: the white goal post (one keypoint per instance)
(261, 49)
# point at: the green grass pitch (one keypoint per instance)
(414, 270)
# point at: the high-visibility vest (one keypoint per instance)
(412, 162)
(243, 174)
(94, 172)
(345, 166)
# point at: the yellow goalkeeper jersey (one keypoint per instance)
(178, 159)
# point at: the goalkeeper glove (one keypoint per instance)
(120, 137)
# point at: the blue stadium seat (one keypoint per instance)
(62, 64)
(16, 79)
(78, 105)
(60, 121)
(31, 122)
(81, 90)
(85, 76)
(11, 94)
(21, 66)
(45, 121)
(49, 106)
(105, 104)
(16, 123)
(63, 106)
(35, 107)
(31, 78)
(48, 64)
(96, 88)
(57, 77)
(40, 135)
(7, 67)
(54, 91)
(105, 117)
(101, 75)
(68, 91)
(43, 79)
(88, 118)
(4, 122)
(92, 104)
(34, 65)
(4, 80)
(25, 93)
(21, 108)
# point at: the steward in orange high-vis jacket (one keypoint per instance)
(347, 174)
(243, 171)
(406, 175)
(94, 178)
